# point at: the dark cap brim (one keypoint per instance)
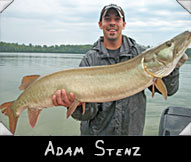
(118, 11)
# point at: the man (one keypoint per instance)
(125, 116)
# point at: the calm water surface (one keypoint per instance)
(52, 121)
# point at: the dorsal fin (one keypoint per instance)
(27, 80)
(33, 115)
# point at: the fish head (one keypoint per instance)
(181, 43)
(161, 60)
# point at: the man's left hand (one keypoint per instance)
(182, 60)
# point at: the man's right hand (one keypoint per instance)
(61, 99)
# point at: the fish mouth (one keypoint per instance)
(189, 38)
(182, 42)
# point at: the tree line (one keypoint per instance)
(81, 49)
(15, 47)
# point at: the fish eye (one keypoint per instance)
(169, 43)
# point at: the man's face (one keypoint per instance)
(112, 25)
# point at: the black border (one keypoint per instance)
(24, 148)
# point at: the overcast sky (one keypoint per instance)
(50, 22)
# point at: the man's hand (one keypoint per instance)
(61, 98)
(182, 60)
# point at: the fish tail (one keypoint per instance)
(6, 110)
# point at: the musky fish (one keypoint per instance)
(100, 83)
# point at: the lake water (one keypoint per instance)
(52, 121)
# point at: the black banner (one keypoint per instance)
(64, 148)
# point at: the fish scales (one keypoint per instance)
(97, 84)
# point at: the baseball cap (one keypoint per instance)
(114, 6)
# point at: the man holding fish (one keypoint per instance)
(121, 117)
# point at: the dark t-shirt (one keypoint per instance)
(114, 53)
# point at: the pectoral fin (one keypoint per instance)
(161, 87)
(27, 80)
(83, 108)
(153, 90)
(72, 108)
(33, 115)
